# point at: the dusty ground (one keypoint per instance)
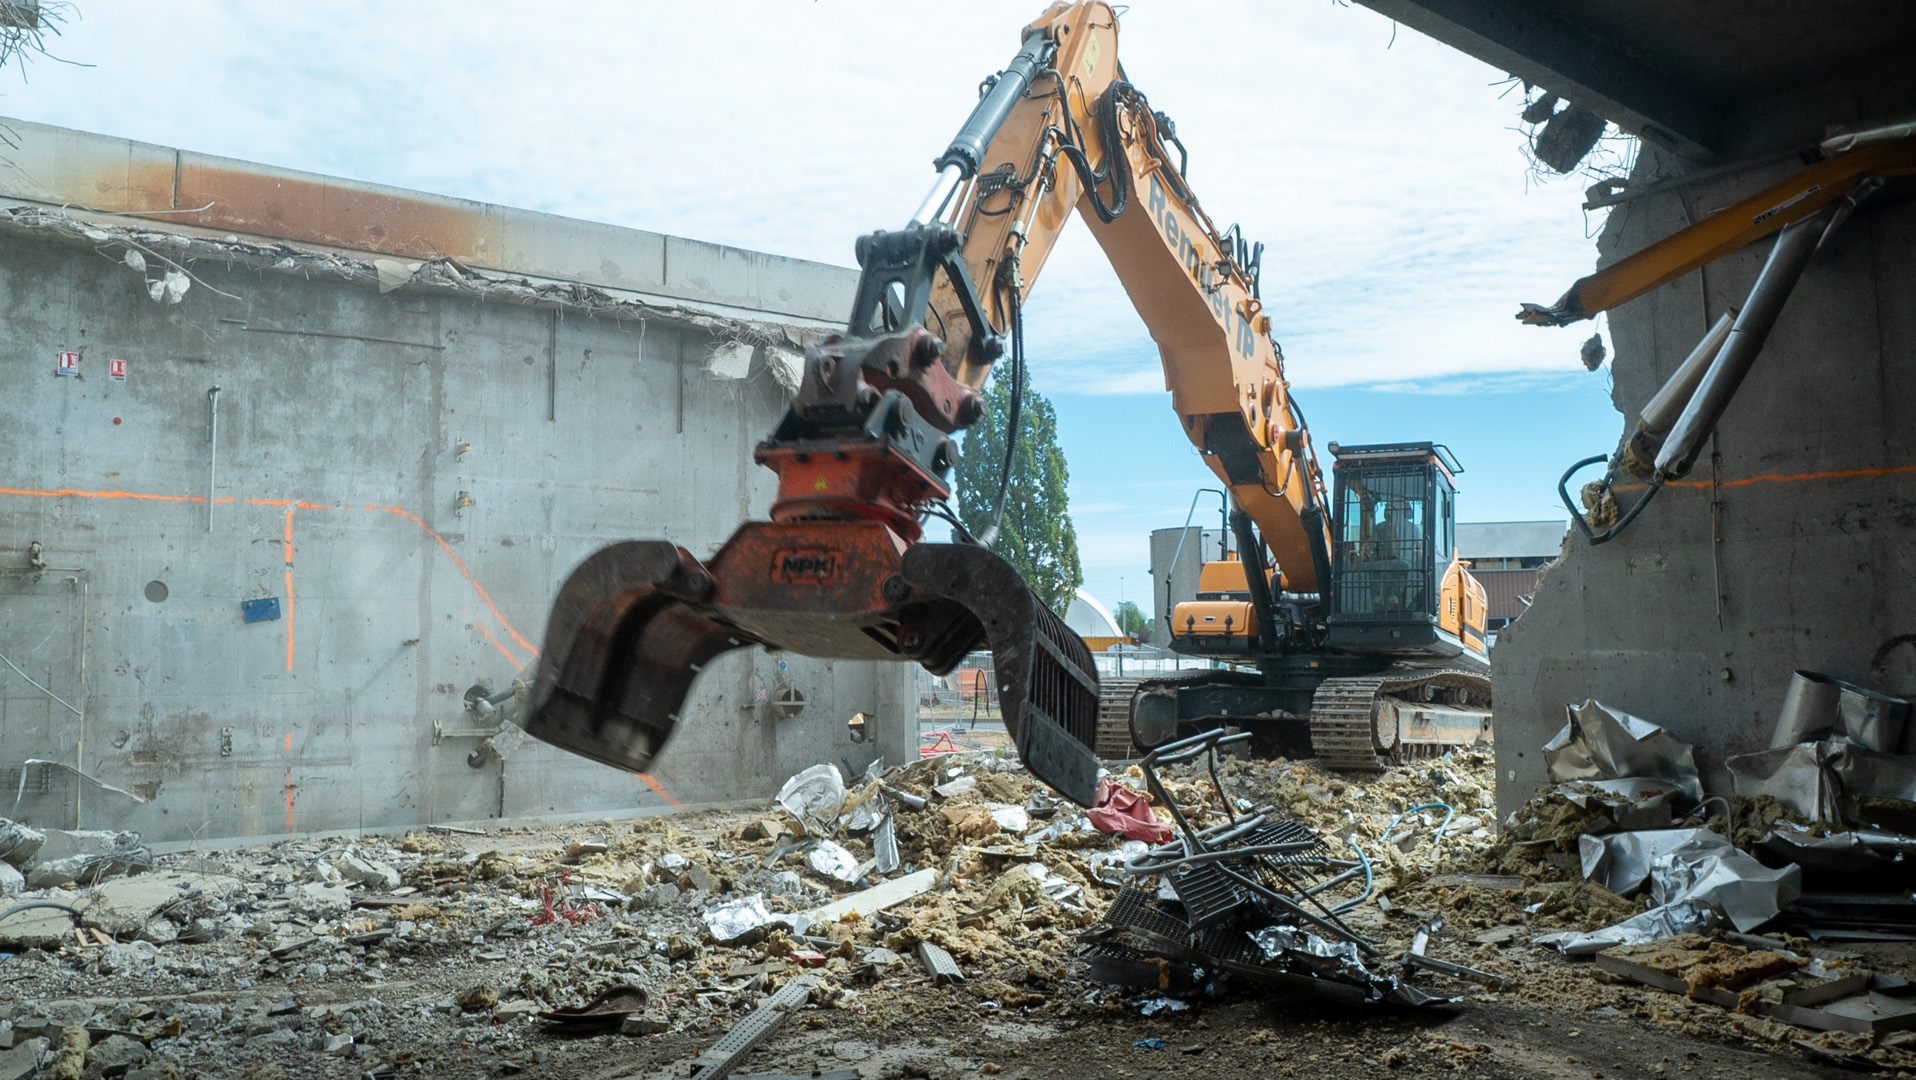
(286, 967)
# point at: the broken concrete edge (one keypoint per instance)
(482, 826)
(183, 245)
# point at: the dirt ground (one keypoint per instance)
(444, 980)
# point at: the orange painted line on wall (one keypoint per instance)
(467, 574)
(289, 742)
(291, 505)
(286, 548)
(1798, 478)
(81, 493)
(659, 789)
(503, 651)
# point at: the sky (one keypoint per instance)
(1383, 171)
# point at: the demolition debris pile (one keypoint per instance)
(956, 873)
(952, 887)
(1810, 841)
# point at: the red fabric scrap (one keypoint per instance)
(1123, 811)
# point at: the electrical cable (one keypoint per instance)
(1435, 840)
(1365, 861)
(1014, 416)
(68, 908)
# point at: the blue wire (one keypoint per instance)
(1365, 860)
(1439, 838)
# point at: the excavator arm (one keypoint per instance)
(841, 570)
(1081, 137)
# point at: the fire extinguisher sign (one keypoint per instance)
(116, 370)
(67, 363)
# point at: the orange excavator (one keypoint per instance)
(1318, 620)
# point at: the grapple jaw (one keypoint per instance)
(635, 624)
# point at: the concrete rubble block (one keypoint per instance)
(124, 906)
(321, 896)
(22, 1061)
(662, 895)
(373, 875)
(339, 1045)
(93, 843)
(18, 842)
(119, 959)
(12, 881)
(41, 928)
(115, 1053)
(644, 1024)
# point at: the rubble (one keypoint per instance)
(272, 963)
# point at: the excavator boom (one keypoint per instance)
(841, 569)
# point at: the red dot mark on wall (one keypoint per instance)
(116, 421)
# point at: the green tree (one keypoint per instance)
(1036, 535)
(1132, 621)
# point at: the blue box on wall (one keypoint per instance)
(262, 609)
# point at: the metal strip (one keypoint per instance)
(717, 1063)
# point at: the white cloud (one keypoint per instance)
(1385, 181)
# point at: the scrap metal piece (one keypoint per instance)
(938, 963)
(1817, 707)
(1598, 742)
(607, 1009)
(1418, 958)
(1828, 782)
(717, 1062)
(885, 845)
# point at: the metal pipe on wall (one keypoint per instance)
(213, 450)
(1666, 405)
(1788, 259)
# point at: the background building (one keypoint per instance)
(293, 462)
(1506, 556)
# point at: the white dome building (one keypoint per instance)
(1091, 621)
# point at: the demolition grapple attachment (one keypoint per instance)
(636, 622)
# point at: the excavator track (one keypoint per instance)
(1344, 716)
(1114, 718)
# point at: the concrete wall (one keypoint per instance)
(1694, 619)
(350, 425)
(181, 188)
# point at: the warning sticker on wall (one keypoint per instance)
(116, 370)
(67, 363)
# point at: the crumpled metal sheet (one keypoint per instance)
(1689, 917)
(1621, 862)
(1336, 960)
(1601, 743)
(1817, 707)
(1683, 865)
(1822, 780)
(1748, 893)
(1631, 789)
(731, 921)
(831, 859)
(814, 796)
(1694, 875)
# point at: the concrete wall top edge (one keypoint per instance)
(122, 176)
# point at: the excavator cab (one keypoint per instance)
(1397, 587)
